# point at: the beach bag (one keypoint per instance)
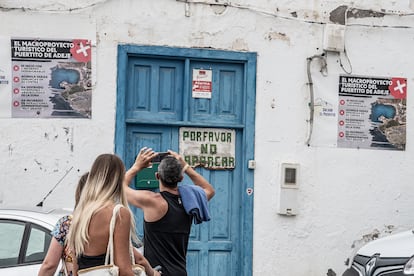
(109, 268)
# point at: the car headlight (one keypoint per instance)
(409, 267)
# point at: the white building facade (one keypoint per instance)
(325, 174)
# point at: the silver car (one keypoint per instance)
(392, 255)
(25, 238)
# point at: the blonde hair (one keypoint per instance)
(103, 187)
(79, 188)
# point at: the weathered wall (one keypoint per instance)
(346, 196)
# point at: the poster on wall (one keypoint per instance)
(372, 112)
(211, 148)
(202, 83)
(51, 78)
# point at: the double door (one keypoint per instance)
(156, 100)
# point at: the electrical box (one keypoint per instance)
(289, 188)
(334, 38)
(145, 179)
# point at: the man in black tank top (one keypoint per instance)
(166, 223)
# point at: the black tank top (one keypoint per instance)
(166, 240)
(85, 261)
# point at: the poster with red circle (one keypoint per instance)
(52, 78)
(372, 112)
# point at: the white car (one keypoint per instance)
(25, 237)
(389, 256)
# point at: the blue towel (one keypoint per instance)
(195, 202)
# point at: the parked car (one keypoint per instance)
(25, 238)
(389, 256)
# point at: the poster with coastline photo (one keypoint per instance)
(372, 112)
(51, 78)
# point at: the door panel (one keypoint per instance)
(216, 240)
(225, 105)
(154, 89)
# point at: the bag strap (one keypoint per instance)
(64, 268)
(109, 258)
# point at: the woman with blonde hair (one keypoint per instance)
(89, 232)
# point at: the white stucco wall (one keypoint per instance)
(345, 195)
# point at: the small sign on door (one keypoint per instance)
(202, 83)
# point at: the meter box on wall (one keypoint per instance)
(289, 188)
(145, 179)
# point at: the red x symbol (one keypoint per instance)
(398, 88)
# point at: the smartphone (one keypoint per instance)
(159, 157)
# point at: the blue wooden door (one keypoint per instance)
(155, 99)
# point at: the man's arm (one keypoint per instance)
(143, 160)
(195, 177)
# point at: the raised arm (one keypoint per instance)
(141, 198)
(142, 161)
(195, 177)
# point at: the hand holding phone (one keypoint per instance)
(158, 158)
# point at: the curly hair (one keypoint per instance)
(169, 171)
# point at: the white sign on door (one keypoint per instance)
(202, 83)
(212, 148)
